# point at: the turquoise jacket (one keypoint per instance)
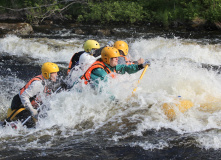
(100, 74)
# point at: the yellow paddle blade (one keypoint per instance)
(210, 107)
(183, 106)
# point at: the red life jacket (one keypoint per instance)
(98, 64)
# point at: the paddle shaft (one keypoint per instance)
(29, 117)
(141, 76)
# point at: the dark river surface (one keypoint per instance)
(88, 126)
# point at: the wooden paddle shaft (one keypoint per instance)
(141, 76)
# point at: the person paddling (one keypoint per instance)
(108, 65)
(89, 47)
(123, 50)
(25, 103)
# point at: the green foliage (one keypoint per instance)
(206, 9)
(213, 13)
(117, 11)
(41, 9)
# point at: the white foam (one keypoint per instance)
(174, 72)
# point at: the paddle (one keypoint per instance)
(183, 105)
(141, 76)
(29, 117)
(169, 111)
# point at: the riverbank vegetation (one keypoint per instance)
(164, 12)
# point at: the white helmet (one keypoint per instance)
(85, 60)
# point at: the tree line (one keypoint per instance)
(165, 12)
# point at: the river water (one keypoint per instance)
(85, 125)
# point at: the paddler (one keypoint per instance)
(107, 66)
(123, 49)
(25, 103)
(87, 55)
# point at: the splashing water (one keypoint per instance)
(175, 71)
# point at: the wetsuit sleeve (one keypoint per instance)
(133, 68)
(34, 89)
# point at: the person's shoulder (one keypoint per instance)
(39, 82)
(36, 85)
(79, 53)
(99, 71)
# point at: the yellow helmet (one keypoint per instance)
(121, 45)
(109, 52)
(91, 44)
(48, 68)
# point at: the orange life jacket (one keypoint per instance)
(127, 60)
(36, 78)
(70, 64)
(97, 64)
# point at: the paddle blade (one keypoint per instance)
(211, 107)
(183, 106)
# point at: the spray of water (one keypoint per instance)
(175, 71)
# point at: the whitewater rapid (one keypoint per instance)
(175, 71)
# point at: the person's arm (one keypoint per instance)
(133, 68)
(139, 61)
(134, 62)
(35, 88)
